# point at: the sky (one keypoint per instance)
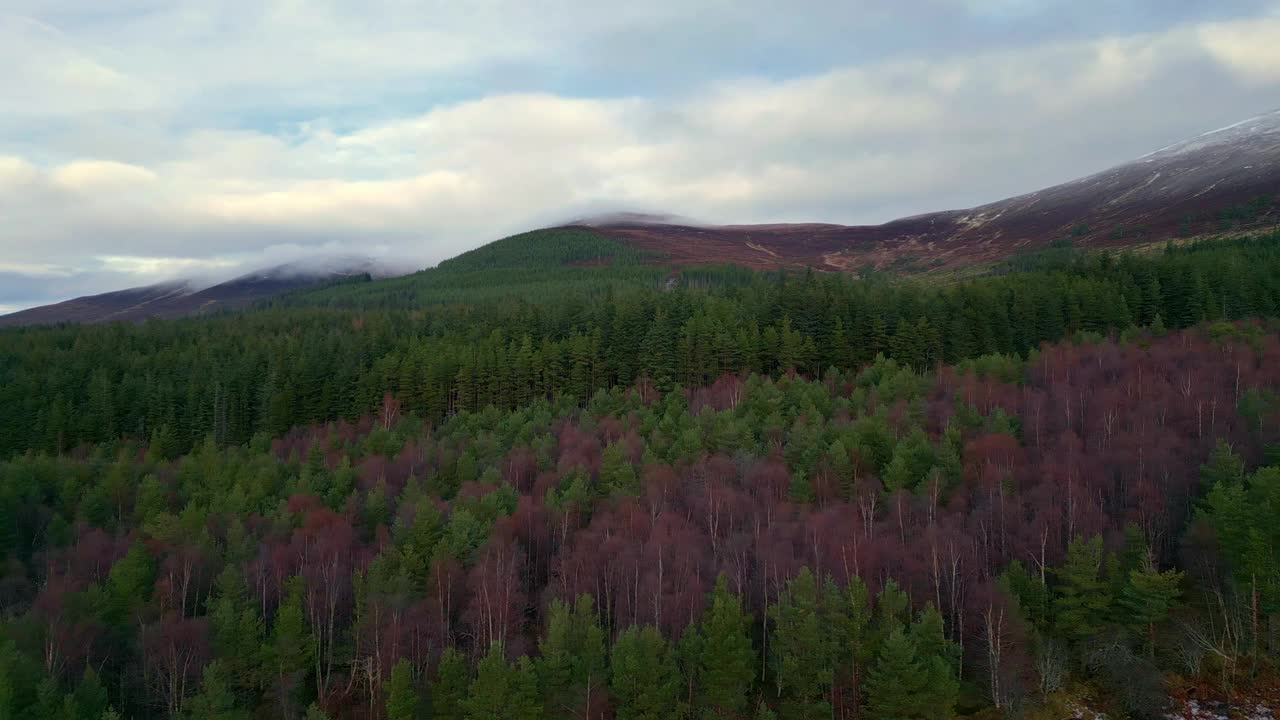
(142, 140)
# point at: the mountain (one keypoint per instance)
(1227, 180)
(1222, 181)
(181, 298)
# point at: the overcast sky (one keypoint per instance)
(146, 139)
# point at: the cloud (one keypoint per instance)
(1248, 48)
(161, 139)
(96, 176)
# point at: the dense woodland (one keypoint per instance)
(607, 489)
(542, 329)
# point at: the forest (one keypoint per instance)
(554, 478)
(559, 315)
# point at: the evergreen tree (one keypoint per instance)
(525, 703)
(645, 680)
(724, 667)
(402, 693)
(802, 652)
(1148, 597)
(1224, 467)
(291, 647)
(617, 473)
(90, 696)
(493, 689)
(1082, 599)
(129, 584)
(572, 666)
(941, 659)
(449, 691)
(897, 686)
(216, 700)
(238, 633)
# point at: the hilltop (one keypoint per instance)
(1227, 180)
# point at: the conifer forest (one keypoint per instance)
(558, 478)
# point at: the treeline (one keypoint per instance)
(455, 339)
(880, 544)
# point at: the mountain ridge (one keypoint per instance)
(1220, 181)
(188, 296)
(1224, 180)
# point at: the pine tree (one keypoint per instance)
(617, 473)
(1082, 599)
(129, 584)
(658, 352)
(493, 689)
(525, 703)
(645, 681)
(449, 691)
(216, 700)
(402, 694)
(90, 696)
(941, 659)
(725, 665)
(1148, 597)
(1032, 594)
(802, 652)
(892, 606)
(291, 647)
(572, 665)
(847, 617)
(897, 684)
(1224, 467)
(238, 633)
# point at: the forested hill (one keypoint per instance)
(513, 322)
(539, 266)
(882, 544)
(556, 478)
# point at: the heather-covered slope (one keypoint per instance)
(1223, 181)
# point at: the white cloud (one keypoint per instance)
(35, 269)
(1251, 49)
(127, 190)
(101, 176)
(162, 267)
